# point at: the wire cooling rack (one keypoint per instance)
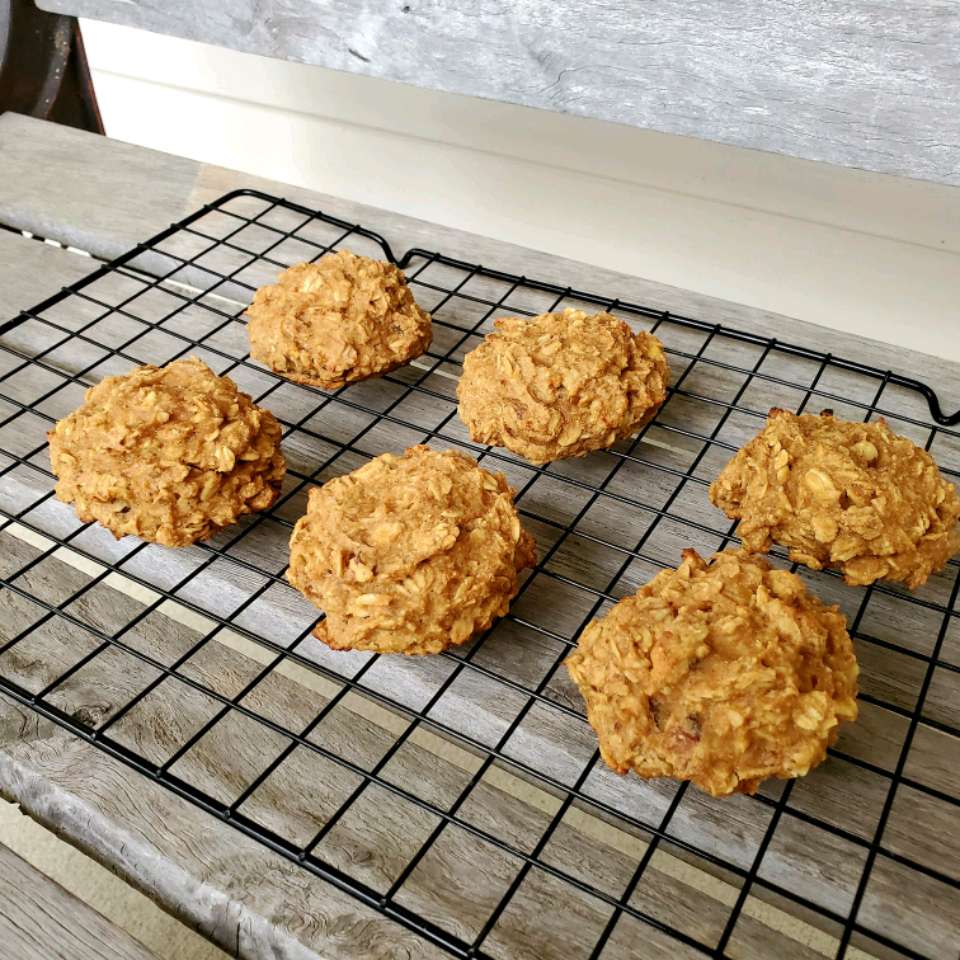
(462, 795)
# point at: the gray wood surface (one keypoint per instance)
(38, 918)
(36, 270)
(254, 903)
(251, 902)
(862, 83)
(73, 197)
(234, 891)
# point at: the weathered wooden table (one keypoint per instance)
(38, 918)
(104, 197)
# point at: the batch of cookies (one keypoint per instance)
(724, 671)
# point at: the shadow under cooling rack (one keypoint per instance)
(462, 794)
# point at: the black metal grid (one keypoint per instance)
(604, 524)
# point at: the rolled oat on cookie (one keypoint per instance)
(850, 495)
(410, 554)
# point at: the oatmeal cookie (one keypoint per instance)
(723, 672)
(409, 554)
(854, 496)
(169, 454)
(561, 384)
(342, 319)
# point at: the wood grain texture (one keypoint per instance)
(70, 198)
(374, 840)
(249, 901)
(256, 904)
(29, 199)
(863, 83)
(38, 918)
(91, 800)
(33, 271)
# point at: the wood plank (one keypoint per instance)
(378, 835)
(39, 199)
(249, 901)
(867, 83)
(73, 197)
(38, 918)
(31, 271)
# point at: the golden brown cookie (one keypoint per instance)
(342, 319)
(409, 554)
(854, 496)
(721, 672)
(169, 454)
(561, 384)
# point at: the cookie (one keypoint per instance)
(561, 384)
(409, 554)
(342, 319)
(854, 496)
(169, 454)
(723, 672)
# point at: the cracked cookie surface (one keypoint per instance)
(723, 672)
(561, 384)
(855, 496)
(169, 454)
(342, 319)
(409, 554)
